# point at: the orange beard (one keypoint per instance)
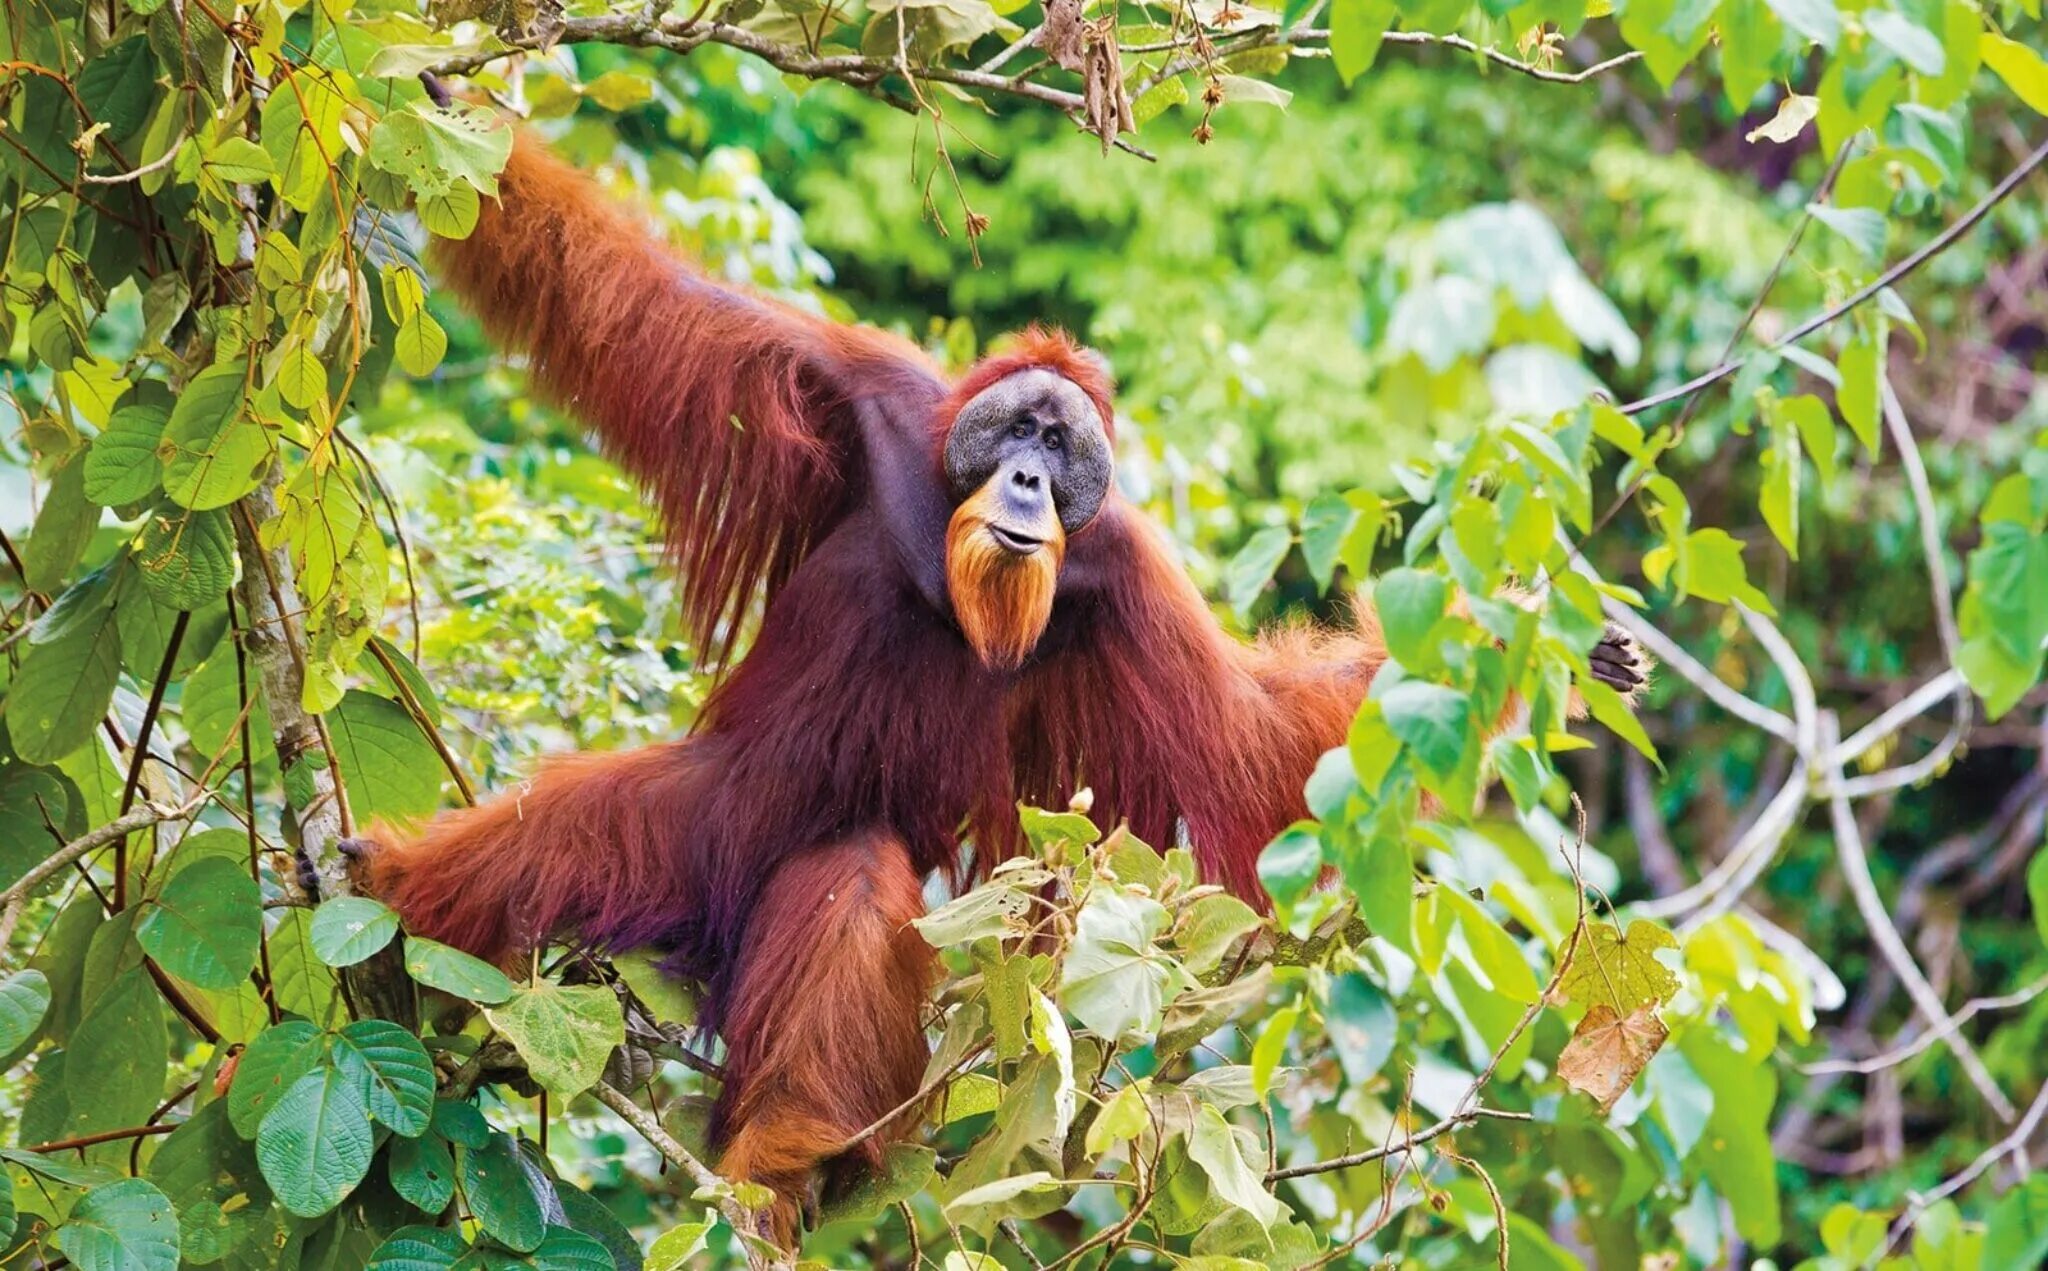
(1001, 600)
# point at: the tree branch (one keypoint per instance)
(1884, 933)
(743, 1220)
(275, 633)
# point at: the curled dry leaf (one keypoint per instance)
(1608, 1052)
(1102, 74)
(1064, 37)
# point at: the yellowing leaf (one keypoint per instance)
(1620, 970)
(2019, 66)
(1794, 113)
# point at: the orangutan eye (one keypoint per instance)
(1053, 440)
(1020, 430)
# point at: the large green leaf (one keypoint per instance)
(1431, 721)
(347, 929)
(24, 999)
(315, 1145)
(1113, 980)
(215, 449)
(210, 1175)
(563, 1034)
(122, 466)
(433, 147)
(122, 1226)
(187, 557)
(419, 1249)
(392, 770)
(499, 1193)
(115, 1066)
(2016, 1236)
(63, 687)
(206, 924)
(452, 971)
(270, 1065)
(423, 1172)
(393, 1070)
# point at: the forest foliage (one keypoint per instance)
(1715, 318)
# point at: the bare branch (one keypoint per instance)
(1862, 295)
(119, 828)
(1900, 1054)
(2013, 1144)
(1855, 864)
(683, 33)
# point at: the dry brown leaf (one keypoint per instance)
(1109, 105)
(1063, 38)
(1608, 1052)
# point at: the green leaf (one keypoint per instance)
(297, 372)
(432, 148)
(1431, 722)
(24, 1000)
(393, 1070)
(2019, 66)
(237, 161)
(423, 1172)
(62, 530)
(564, 1034)
(2016, 1232)
(1410, 602)
(1252, 568)
(565, 1250)
(1613, 713)
(1858, 396)
(1356, 30)
(210, 1176)
(393, 772)
(452, 971)
(115, 1065)
(315, 1145)
(187, 558)
(63, 688)
(1113, 980)
(215, 450)
(1214, 1146)
(420, 342)
(1817, 20)
(1916, 46)
(347, 929)
(271, 1064)
(116, 87)
(122, 466)
(1377, 869)
(1290, 865)
(419, 1249)
(450, 215)
(122, 1226)
(1325, 524)
(499, 1195)
(206, 924)
(1209, 927)
(1863, 227)
(1362, 1027)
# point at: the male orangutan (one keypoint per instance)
(961, 612)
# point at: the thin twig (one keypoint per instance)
(1928, 251)
(743, 1220)
(1900, 1054)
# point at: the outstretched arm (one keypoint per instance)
(746, 420)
